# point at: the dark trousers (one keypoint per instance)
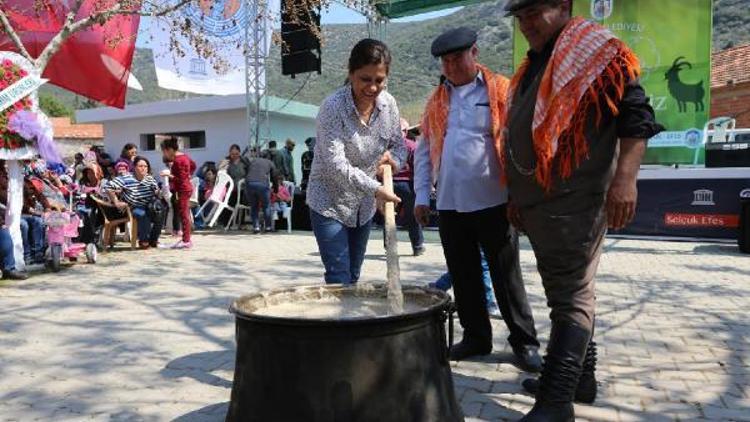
(567, 236)
(462, 235)
(405, 191)
(259, 196)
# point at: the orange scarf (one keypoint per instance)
(435, 120)
(587, 64)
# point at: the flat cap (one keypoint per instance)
(456, 39)
(512, 6)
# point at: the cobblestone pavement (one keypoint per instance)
(146, 336)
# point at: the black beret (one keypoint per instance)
(453, 40)
(513, 6)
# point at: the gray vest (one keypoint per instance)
(592, 178)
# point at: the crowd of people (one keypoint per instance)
(161, 201)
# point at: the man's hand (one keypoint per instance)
(120, 205)
(422, 214)
(623, 192)
(621, 200)
(514, 216)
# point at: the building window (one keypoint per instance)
(186, 140)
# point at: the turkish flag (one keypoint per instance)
(94, 62)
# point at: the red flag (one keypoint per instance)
(94, 62)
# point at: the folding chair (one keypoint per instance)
(238, 208)
(113, 217)
(219, 198)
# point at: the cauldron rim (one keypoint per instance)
(442, 305)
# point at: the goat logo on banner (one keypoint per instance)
(601, 9)
(682, 92)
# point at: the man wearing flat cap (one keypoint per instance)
(460, 153)
(577, 124)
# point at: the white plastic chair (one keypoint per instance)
(238, 208)
(219, 198)
(194, 202)
(721, 129)
(288, 213)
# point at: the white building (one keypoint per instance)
(205, 126)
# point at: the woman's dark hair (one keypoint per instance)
(367, 52)
(127, 148)
(234, 146)
(142, 158)
(86, 176)
(170, 143)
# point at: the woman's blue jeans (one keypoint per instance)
(148, 231)
(342, 248)
(259, 195)
(32, 232)
(445, 282)
(6, 250)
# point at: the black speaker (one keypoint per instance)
(300, 49)
(728, 154)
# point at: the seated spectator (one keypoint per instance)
(53, 186)
(78, 166)
(35, 204)
(208, 165)
(89, 185)
(236, 167)
(206, 185)
(127, 155)
(280, 199)
(138, 191)
(121, 169)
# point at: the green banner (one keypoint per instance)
(672, 38)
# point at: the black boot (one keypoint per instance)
(562, 368)
(586, 390)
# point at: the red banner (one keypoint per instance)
(94, 62)
(702, 220)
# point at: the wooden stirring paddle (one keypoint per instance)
(395, 296)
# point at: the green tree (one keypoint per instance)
(53, 107)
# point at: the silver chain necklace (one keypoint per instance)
(519, 168)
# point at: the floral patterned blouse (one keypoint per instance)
(342, 179)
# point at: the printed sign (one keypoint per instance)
(672, 39)
(20, 89)
(702, 220)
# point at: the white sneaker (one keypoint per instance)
(182, 245)
(494, 311)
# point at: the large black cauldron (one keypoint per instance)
(390, 368)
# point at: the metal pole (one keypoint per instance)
(248, 98)
(256, 52)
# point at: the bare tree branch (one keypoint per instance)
(101, 17)
(8, 28)
(166, 10)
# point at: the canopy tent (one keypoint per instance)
(399, 8)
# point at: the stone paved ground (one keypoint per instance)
(146, 336)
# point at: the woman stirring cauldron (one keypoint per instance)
(358, 131)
